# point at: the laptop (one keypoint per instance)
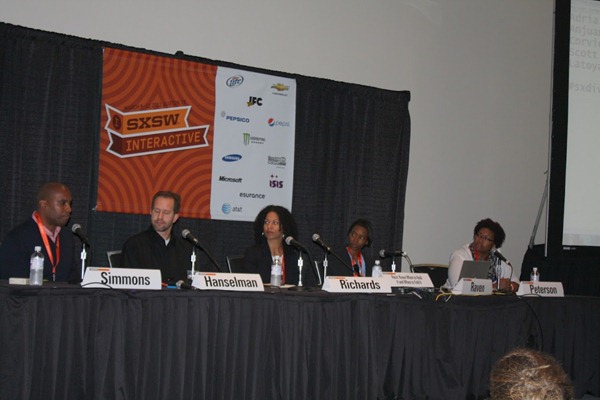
(474, 269)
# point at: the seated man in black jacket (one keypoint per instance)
(157, 247)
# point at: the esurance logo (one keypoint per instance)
(274, 122)
(232, 158)
(235, 81)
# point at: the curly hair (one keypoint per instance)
(286, 220)
(531, 375)
(493, 226)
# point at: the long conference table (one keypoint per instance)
(67, 342)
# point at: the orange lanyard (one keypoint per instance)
(359, 260)
(40, 225)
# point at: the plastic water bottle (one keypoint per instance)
(535, 275)
(377, 272)
(36, 267)
(276, 271)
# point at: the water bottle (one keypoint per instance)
(276, 271)
(535, 275)
(377, 271)
(36, 267)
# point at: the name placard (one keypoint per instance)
(409, 280)
(122, 278)
(355, 284)
(225, 281)
(543, 289)
(473, 287)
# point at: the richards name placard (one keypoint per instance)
(225, 281)
(122, 278)
(353, 284)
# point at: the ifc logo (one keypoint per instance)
(226, 208)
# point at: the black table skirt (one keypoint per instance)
(70, 343)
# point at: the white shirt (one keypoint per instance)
(464, 254)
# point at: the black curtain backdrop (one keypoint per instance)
(351, 151)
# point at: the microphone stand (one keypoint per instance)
(83, 257)
(193, 260)
(299, 287)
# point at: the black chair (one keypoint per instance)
(114, 258)
(438, 273)
(236, 264)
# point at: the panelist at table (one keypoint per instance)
(271, 226)
(488, 236)
(359, 236)
(158, 247)
(45, 228)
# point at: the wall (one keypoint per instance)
(479, 73)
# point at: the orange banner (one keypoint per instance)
(157, 128)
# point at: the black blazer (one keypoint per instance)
(258, 260)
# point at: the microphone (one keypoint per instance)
(501, 257)
(79, 233)
(290, 241)
(181, 284)
(317, 239)
(393, 253)
(188, 236)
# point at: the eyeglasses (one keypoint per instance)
(486, 238)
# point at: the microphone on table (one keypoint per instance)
(181, 284)
(317, 239)
(79, 233)
(188, 236)
(290, 241)
(393, 253)
(502, 258)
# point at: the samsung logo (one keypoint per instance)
(234, 81)
(232, 158)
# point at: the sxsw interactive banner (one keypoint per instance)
(221, 138)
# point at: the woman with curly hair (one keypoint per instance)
(488, 236)
(271, 226)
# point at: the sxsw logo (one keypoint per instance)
(254, 100)
(274, 182)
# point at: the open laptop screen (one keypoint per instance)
(474, 269)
